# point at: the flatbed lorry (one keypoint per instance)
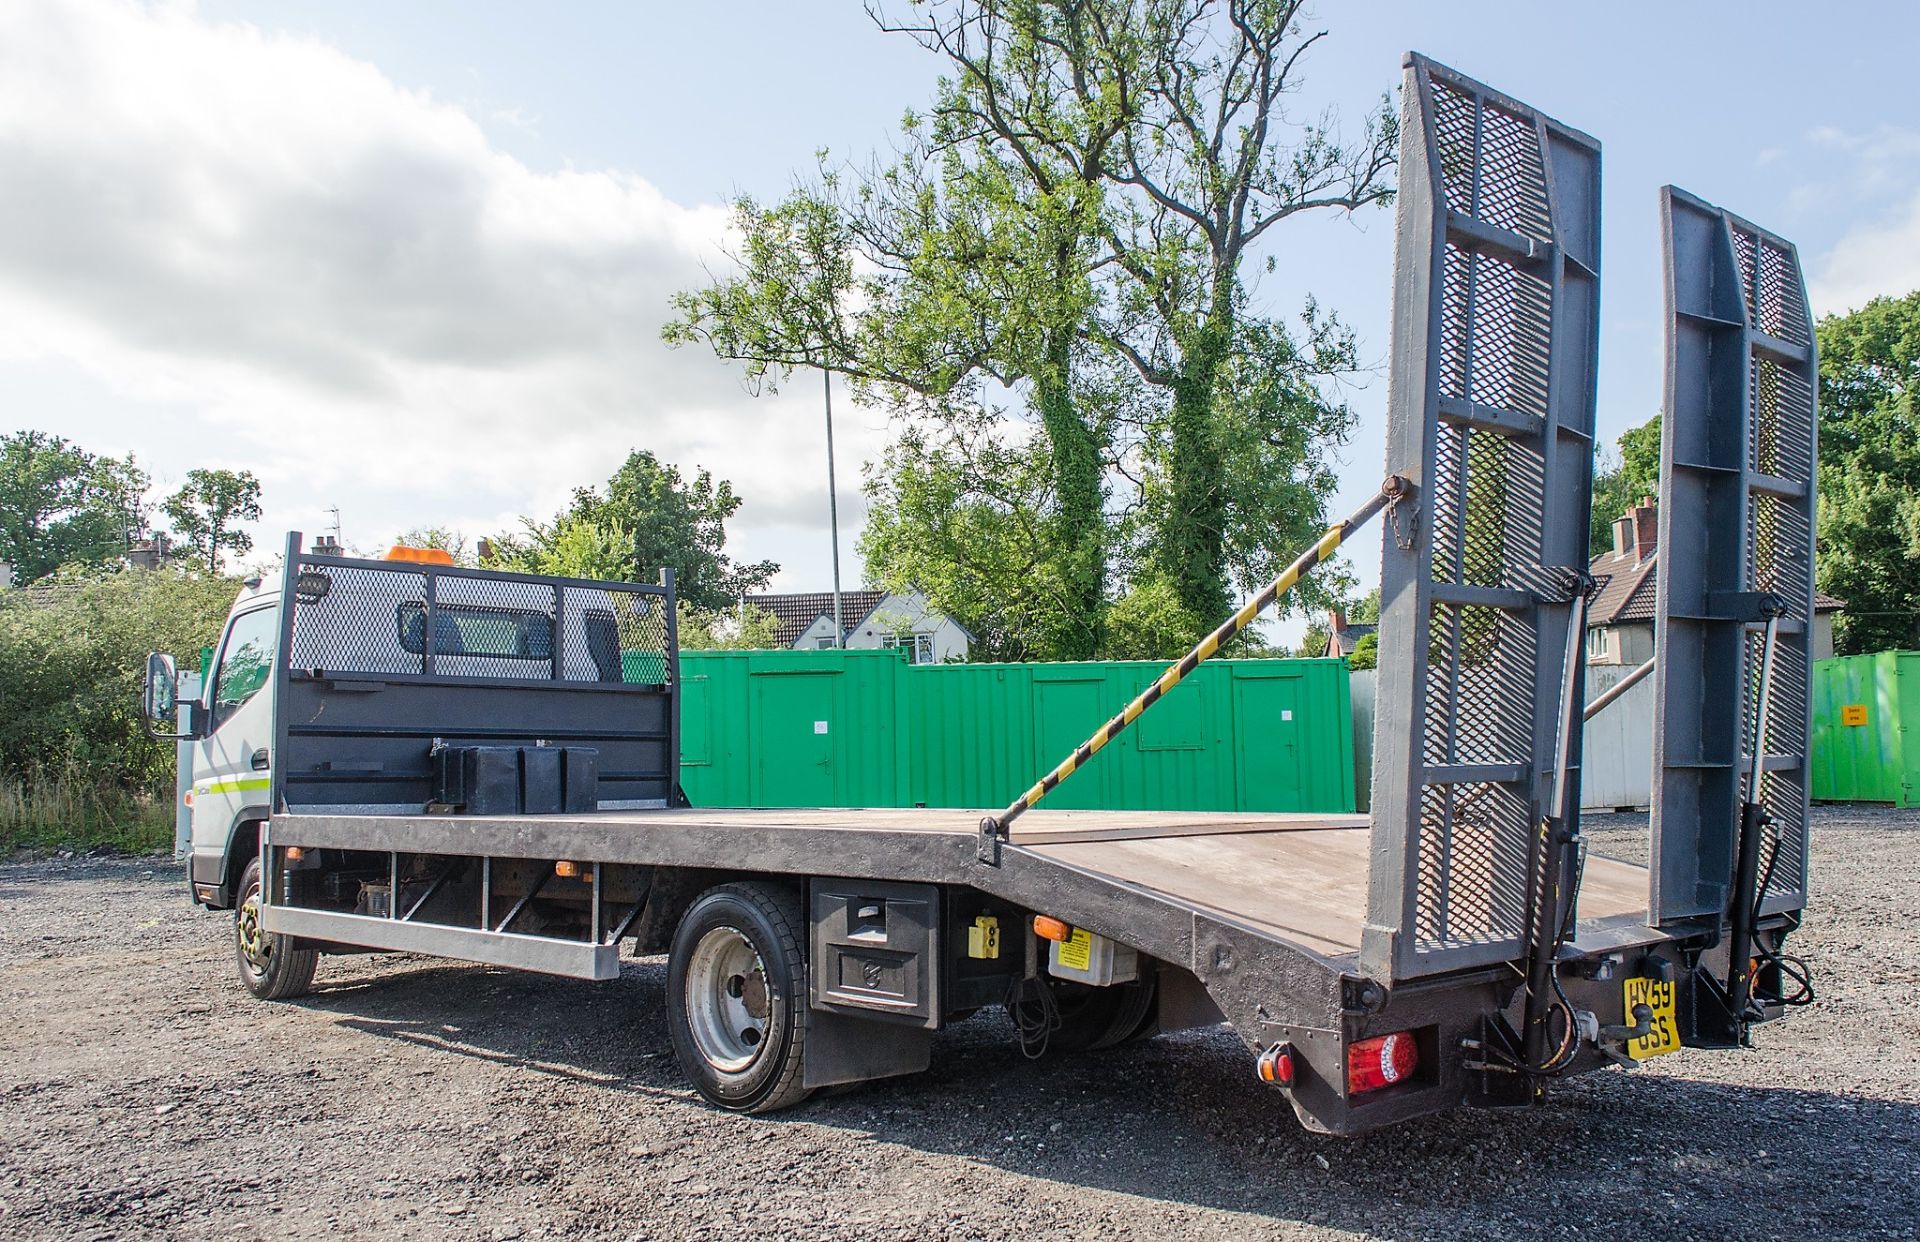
(407, 755)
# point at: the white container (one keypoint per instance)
(1087, 958)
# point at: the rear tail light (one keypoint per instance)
(1381, 1062)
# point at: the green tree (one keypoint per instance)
(1150, 622)
(1060, 221)
(205, 510)
(647, 518)
(445, 538)
(122, 487)
(1869, 516)
(976, 267)
(1203, 161)
(1621, 480)
(72, 657)
(53, 510)
(961, 514)
(572, 545)
(744, 628)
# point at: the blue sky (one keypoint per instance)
(225, 240)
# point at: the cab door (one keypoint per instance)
(231, 762)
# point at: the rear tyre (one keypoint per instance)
(1138, 1015)
(736, 997)
(270, 967)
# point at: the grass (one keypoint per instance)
(65, 810)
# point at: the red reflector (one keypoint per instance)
(1380, 1062)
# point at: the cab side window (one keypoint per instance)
(246, 661)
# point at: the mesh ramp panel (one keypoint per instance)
(1491, 414)
(1737, 473)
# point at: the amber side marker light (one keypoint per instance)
(1051, 928)
(1381, 1062)
(1276, 1065)
(566, 870)
(295, 853)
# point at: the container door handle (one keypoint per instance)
(260, 760)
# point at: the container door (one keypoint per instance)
(795, 739)
(1906, 728)
(1266, 724)
(1065, 714)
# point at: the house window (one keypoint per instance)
(1597, 643)
(825, 644)
(921, 646)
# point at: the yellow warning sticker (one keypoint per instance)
(1853, 714)
(1077, 953)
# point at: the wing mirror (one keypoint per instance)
(160, 701)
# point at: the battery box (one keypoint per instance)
(516, 780)
(1086, 958)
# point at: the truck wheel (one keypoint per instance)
(269, 965)
(736, 997)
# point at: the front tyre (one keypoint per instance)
(736, 997)
(270, 967)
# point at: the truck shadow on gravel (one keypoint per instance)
(1181, 1119)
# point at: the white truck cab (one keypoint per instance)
(232, 776)
(229, 735)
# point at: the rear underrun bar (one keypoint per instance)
(994, 828)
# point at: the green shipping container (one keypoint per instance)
(864, 728)
(1866, 728)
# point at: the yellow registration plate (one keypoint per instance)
(1657, 996)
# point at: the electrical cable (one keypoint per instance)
(1792, 969)
(1569, 1043)
(1035, 1017)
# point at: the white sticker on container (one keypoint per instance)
(819, 726)
(1287, 714)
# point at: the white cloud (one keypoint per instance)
(1880, 254)
(311, 271)
(1882, 258)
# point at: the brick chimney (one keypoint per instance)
(1637, 531)
(1646, 528)
(1336, 621)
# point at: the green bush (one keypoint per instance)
(75, 763)
(66, 806)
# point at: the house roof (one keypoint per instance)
(1626, 591)
(1626, 594)
(1349, 635)
(797, 612)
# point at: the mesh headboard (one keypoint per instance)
(384, 659)
(1491, 412)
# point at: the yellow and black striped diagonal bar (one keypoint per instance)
(1391, 492)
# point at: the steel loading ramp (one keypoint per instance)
(1490, 412)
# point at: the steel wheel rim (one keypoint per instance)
(728, 1000)
(256, 946)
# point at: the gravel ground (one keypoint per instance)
(142, 1094)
